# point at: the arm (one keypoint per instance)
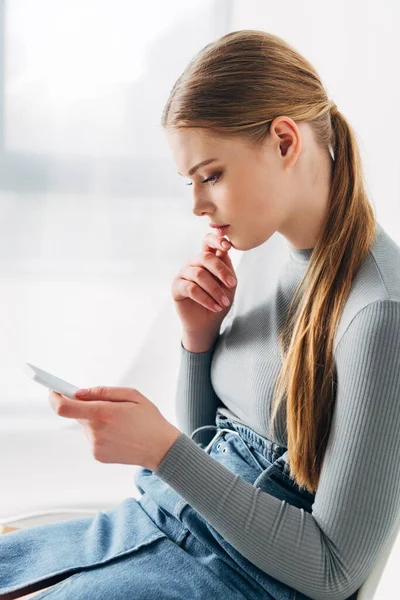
(327, 554)
(196, 402)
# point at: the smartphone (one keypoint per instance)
(51, 381)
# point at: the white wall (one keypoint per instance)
(355, 48)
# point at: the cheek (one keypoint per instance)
(229, 201)
(252, 197)
(262, 206)
(236, 197)
(269, 199)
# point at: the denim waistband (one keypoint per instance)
(272, 451)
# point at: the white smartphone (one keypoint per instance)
(51, 381)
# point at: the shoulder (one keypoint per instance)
(367, 364)
(377, 322)
(375, 289)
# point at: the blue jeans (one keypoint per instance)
(156, 547)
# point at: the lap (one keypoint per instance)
(159, 570)
(157, 546)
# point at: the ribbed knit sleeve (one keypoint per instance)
(196, 402)
(327, 554)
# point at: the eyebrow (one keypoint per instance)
(201, 164)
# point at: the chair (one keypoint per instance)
(379, 583)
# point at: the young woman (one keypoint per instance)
(282, 480)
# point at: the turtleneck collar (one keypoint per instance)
(300, 256)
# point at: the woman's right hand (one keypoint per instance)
(200, 285)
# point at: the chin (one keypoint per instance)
(249, 245)
(246, 245)
(243, 247)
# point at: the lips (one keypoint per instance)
(223, 230)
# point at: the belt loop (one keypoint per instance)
(281, 460)
(264, 475)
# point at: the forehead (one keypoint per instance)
(189, 146)
(193, 142)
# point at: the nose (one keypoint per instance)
(201, 208)
(200, 213)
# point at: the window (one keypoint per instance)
(95, 221)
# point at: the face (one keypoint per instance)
(254, 190)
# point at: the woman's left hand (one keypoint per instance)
(122, 425)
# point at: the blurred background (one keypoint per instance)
(94, 217)
(95, 221)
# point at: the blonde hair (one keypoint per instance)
(236, 86)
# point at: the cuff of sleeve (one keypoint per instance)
(190, 471)
(171, 463)
(198, 356)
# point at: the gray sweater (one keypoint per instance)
(326, 554)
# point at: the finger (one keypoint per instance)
(185, 288)
(71, 409)
(210, 279)
(218, 267)
(122, 394)
(214, 242)
(206, 292)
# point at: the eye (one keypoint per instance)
(213, 179)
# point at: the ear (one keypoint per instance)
(288, 139)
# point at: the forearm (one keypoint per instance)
(280, 539)
(196, 402)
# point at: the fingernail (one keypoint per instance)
(225, 300)
(231, 280)
(225, 244)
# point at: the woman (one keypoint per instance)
(282, 479)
